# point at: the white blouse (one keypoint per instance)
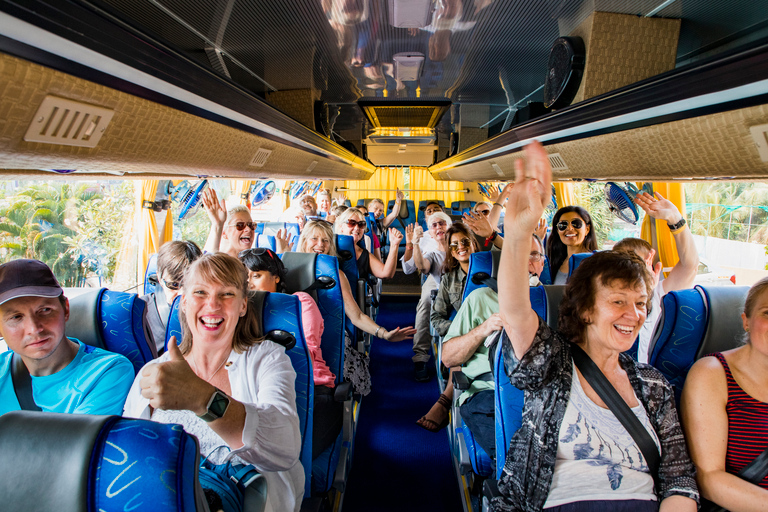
(262, 379)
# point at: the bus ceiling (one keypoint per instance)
(615, 89)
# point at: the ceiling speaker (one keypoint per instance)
(564, 72)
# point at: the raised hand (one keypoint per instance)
(216, 210)
(658, 207)
(479, 224)
(541, 229)
(172, 385)
(399, 196)
(341, 199)
(409, 234)
(399, 334)
(395, 237)
(418, 232)
(504, 194)
(282, 241)
(531, 192)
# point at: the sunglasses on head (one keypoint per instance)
(576, 223)
(172, 285)
(464, 242)
(241, 225)
(257, 251)
(352, 223)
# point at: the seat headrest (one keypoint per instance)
(51, 459)
(257, 300)
(300, 270)
(554, 297)
(85, 318)
(725, 329)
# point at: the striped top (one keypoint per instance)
(747, 425)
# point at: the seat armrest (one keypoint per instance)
(460, 381)
(343, 392)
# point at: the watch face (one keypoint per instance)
(219, 404)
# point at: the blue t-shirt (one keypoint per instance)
(94, 382)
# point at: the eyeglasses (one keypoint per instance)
(484, 212)
(576, 223)
(440, 223)
(352, 223)
(173, 285)
(535, 256)
(464, 242)
(241, 225)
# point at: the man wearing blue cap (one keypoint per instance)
(45, 370)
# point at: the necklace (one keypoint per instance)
(211, 375)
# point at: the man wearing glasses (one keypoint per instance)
(470, 338)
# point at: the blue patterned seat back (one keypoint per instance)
(124, 328)
(575, 261)
(682, 325)
(150, 276)
(266, 241)
(508, 399)
(174, 322)
(487, 262)
(345, 247)
(282, 311)
(545, 277)
(144, 465)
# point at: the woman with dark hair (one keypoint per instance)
(461, 244)
(572, 452)
(575, 234)
(725, 408)
(266, 273)
(226, 385)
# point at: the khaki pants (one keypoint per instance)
(422, 340)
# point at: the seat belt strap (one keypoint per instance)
(620, 409)
(22, 384)
(756, 470)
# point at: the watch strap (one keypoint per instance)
(679, 224)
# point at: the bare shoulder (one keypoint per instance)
(707, 377)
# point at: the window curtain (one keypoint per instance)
(384, 178)
(421, 179)
(665, 242)
(565, 195)
(144, 220)
(238, 188)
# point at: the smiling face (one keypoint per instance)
(461, 247)
(437, 228)
(239, 240)
(357, 231)
(756, 324)
(212, 309)
(33, 327)
(262, 280)
(431, 208)
(536, 267)
(318, 242)
(572, 236)
(617, 316)
(324, 204)
(376, 208)
(308, 205)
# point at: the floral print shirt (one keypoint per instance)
(545, 375)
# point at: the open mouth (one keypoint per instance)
(211, 323)
(317, 250)
(246, 239)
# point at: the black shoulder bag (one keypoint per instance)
(22, 384)
(620, 409)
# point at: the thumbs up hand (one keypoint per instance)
(172, 385)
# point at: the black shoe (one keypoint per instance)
(420, 371)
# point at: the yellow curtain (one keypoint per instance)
(238, 188)
(665, 241)
(148, 240)
(421, 179)
(167, 234)
(286, 191)
(383, 178)
(565, 195)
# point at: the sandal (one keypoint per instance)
(432, 425)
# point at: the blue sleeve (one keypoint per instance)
(110, 389)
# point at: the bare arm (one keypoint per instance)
(423, 264)
(678, 504)
(387, 270)
(458, 350)
(683, 273)
(389, 219)
(706, 428)
(524, 209)
(498, 204)
(364, 322)
(408, 243)
(217, 213)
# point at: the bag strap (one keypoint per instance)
(756, 470)
(620, 409)
(22, 384)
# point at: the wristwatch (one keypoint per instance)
(217, 406)
(677, 225)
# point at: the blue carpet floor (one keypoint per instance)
(398, 466)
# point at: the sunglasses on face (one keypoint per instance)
(172, 285)
(352, 223)
(464, 242)
(241, 225)
(535, 256)
(576, 223)
(484, 212)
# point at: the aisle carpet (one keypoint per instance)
(398, 466)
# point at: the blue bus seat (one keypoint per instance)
(282, 312)
(363, 202)
(98, 463)
(406, 216)
(461, 207)
(306, 272)
(114, 321)
(293, 228)
(575, 260)
(486, 262)
(266, 241)
(545, 277)
(150, 275)
(694, 323)
(173, 327)
(345, 248)
(259, 228)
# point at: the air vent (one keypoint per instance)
(260, 158)
(69, 123)
(760, 136)
(497, 168)
(311, 167)
(557, 162)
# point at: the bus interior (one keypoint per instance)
(268, 101)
